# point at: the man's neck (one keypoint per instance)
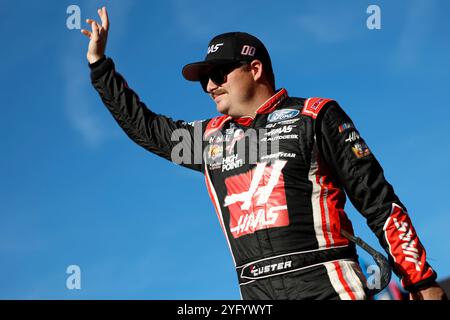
(260, 97)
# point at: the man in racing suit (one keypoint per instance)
(277, 169)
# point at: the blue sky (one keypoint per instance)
(74, 190)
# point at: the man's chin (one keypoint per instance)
(222, 109)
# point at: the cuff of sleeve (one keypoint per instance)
(422, 284)
(100, 67)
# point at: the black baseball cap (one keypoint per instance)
(228, 48)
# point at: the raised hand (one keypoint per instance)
(98, 36)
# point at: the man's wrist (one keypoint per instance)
(422, 285)
(100, 67)
(97, 62)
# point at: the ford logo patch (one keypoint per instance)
(280, 115)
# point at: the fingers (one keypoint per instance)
(416, 296)
(103, 14)
(94, 26)
(95, 29)
(86, 33)
(90, 21)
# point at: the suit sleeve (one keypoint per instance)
(362, 178)
(175, 141)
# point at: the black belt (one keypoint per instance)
(291, 262)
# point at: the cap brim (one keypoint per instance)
(195, 71)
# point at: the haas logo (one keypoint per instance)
(214, 47)
(263, 205)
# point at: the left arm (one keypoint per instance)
(363, 180)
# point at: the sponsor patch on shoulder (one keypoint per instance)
(283, 114)
(353, 136)
(360, 149)
(345, 126)
(313, 106)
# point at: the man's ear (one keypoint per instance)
(257, 69)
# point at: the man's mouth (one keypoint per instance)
(216, 95)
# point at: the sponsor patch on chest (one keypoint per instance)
(283, 114)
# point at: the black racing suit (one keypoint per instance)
(278, 183)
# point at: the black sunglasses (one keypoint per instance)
(218, 74)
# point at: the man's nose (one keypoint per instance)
(211, 86)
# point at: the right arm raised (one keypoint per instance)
(148, 129)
